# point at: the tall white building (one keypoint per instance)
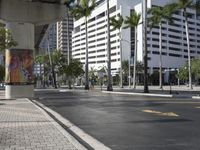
(174, 46)
(97, 36)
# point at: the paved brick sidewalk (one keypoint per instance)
(24, 126)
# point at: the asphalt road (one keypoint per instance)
(129, 122)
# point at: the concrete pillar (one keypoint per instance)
(23, 34)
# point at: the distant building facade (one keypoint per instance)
(174, 45)
(63, 30)
(50, 38)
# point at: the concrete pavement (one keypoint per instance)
(166, 88)
(25, 126)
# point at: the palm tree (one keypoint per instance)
(157, 16)
(145, 56)
(6, 38)
(84, 9)
(39, 60)
(184, 5)
(69, 5)
(117, 24)
(133, 22)
(74, 70)
(109, 86)
(42, 60)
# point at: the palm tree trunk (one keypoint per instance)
(68, 48)
(69, 83)
(160, 50)
(135, 60)
(40, 74)
(121, 69)
(145, 57)
(86, 57)
(188, 47)
(54, 77)
(109, 86)
(68, 41)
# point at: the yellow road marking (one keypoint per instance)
(178, 102)
(197, 107)
(170, 114)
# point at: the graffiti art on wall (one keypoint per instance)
(19, 67)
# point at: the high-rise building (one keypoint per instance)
(97, 36)
(49, 39)
(62, 35)
(174, 46)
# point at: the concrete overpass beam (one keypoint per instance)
(32, 12)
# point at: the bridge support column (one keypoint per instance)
(19, 61)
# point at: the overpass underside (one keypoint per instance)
(27, 21)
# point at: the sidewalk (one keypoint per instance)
(25, 126)
(155, 91)
(176, 91)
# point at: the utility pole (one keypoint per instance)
(145, 57)
(109, 86)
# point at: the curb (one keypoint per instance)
(196, 97)
(139, 94)
(88, 141)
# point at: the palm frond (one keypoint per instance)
(68, 3)
(160, 13)
(133, 20)
(117, 23)
(77, 12)
(83, 9)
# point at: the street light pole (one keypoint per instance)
(145, 58)
(129, 71)
(135, 60)
(109, 86)
(129, 63)
(178, 78)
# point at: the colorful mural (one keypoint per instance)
(19, 67)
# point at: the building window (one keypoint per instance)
(174, 55)
(77, 29)
(113, 9)
(101, 15)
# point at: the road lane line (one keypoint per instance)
(176, 102)
(170, 114)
